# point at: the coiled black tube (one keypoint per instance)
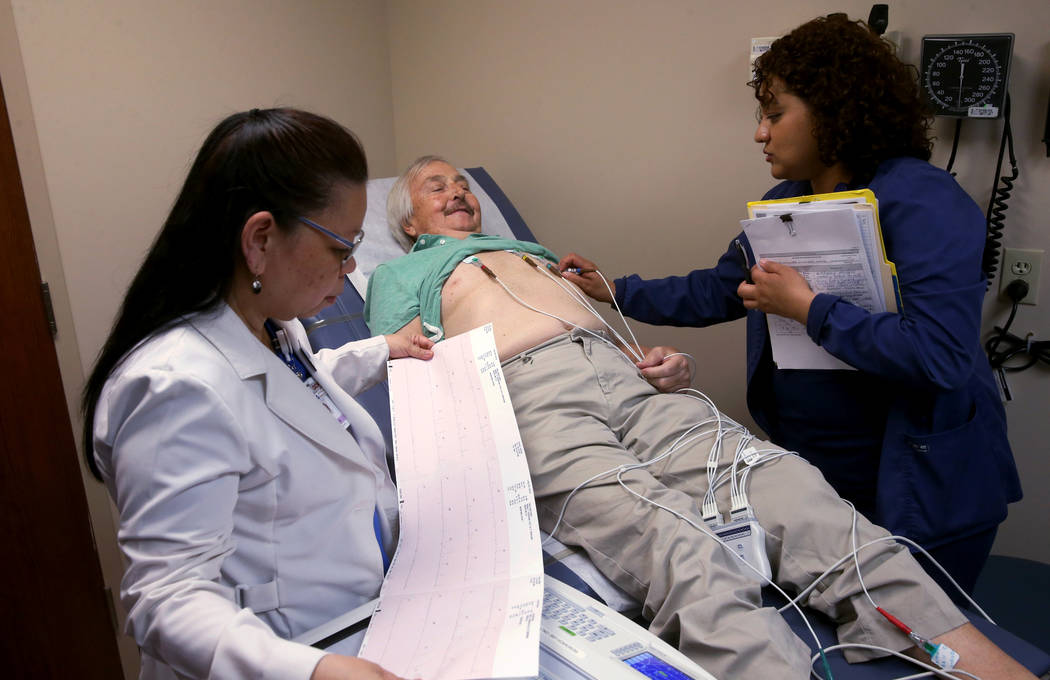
(955, 147)
(996, 215)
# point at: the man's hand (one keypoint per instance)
(666, 375)
(777, 289)
(410, 345)
(339, 667)
(589, 280)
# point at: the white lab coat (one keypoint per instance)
(235, 487)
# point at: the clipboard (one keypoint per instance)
(860, 199)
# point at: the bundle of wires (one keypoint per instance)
(1004, 346)
(720, 427)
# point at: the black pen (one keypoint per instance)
(743, 259)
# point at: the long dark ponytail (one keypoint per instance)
(285, 161)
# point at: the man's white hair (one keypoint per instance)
(399, 200)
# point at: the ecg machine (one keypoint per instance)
(580, 639)
(560, 648)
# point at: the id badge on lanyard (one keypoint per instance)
(303, 367)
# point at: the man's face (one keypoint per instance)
(443, 204)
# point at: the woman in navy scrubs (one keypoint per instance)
(916, 436)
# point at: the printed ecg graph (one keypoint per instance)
(463, 594)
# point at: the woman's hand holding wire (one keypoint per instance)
(665, 372)
(777, 289)
(414, 345)
(589, 279)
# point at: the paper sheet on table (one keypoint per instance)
(826, 248)
(464, 592)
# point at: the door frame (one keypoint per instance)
(59, 617)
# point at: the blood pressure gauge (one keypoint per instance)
(965, 76)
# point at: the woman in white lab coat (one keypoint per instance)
(254, 496)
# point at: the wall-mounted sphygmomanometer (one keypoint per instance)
(966, 76)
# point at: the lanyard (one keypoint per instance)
(283, 350)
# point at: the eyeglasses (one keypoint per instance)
(351, 245)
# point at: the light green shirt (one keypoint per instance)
(410, 286)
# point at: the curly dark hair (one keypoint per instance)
(865, 101)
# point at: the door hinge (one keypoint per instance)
(48, 309)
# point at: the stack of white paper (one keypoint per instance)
(835, 245)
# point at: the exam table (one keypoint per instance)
(343, 322)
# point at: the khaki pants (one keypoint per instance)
(582, 409)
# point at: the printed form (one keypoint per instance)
(863, 213)
(464, 592)
(826, 247)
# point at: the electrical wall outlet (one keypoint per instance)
(1020, 263)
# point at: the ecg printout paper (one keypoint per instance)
(464, 592)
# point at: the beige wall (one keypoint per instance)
(123, 93)
(623, 129)
(109, 101)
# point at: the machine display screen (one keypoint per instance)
(652, 666)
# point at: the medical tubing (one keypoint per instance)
(621, 469)
(706, 531)
(626, 467)
(674, 446)
(955, 146)
(565, 504)
(791, 602)
(929, 670)
(738, 493)
(564, 321)
(612, 294)
(734, 488)
(1037, 350)
(997, 206)
(717, 481)
(582, 299)
(901, 539)
(770, 456)
(709, 505)
(585, 303)
(679, 442)
(856, 558)
(919, 641)
(744, 477)
(633, 345)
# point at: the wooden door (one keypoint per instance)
(56, 618)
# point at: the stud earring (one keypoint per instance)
(256, 286)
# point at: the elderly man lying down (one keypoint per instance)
(584, 408)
